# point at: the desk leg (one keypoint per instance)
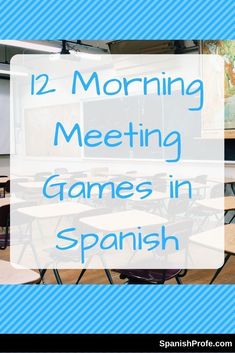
(233, 188)
(81, 275)
(57, 276)
(108, 274)
(219, 269)
(42, 274)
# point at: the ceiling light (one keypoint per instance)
(34, 45)
(90, 56)
(5, 70)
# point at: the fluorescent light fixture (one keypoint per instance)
(89, 56)
(5, 70)
(54, 57)
(32, 45)
(14, 73)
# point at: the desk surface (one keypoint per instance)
(93, 179)
(11, 275)
(55, 210)
(229, 180)
(208, 238)
(38, 184)
(32, 184)
(4, 180)
(123, 220)
(10, 200)
(20, 177)
(220, 203)
(156, 195)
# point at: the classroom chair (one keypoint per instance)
(149, 276)
(3, 186)
(160, 276)
(4, 224)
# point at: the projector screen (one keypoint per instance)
(4, 116)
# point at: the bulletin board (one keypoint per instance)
(225, 48)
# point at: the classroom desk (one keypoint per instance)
(10, 201)
(19, 177)
(3, 184)
(120, 221)
(208, 238)
(123, 220)
(140, 175)
(63, 176)
(156, 195)
(11, 275)
(55, 210)
(38, 184)
(32, 184)
(4, 180)
(195, 186)
(230, 181)
(216, 203)
(93, 179)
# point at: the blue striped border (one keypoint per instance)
(110, 19)
(117, 309)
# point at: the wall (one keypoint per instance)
(4, 165)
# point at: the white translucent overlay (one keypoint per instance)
(117, 161)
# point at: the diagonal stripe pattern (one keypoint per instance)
(117, 309)
(126, 19)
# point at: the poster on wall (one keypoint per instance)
(225, 48)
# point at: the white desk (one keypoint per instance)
(55, 210)
(4, 180)
(93, 179)
(39, 184)
(140, 175)
(220, 203)
(17, 177)
(123, 220)
(229, 180)
(213, 238)
(195, 185)
(156, 195)
(11, 275)
(10, 201)
(32, 184)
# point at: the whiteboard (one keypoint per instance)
(4, 116)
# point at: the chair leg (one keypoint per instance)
(5, 240)
(178, 280)
(57, 276)
(232, 218)
(183, 273)
(138, 281)
(108, 274)
(233, 187)
(81, 275)
(42, 274)
(3, 247)
(219, 269)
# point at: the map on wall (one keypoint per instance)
(225, 48)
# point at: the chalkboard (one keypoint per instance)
(229, 150)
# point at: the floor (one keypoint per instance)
(227, 276)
